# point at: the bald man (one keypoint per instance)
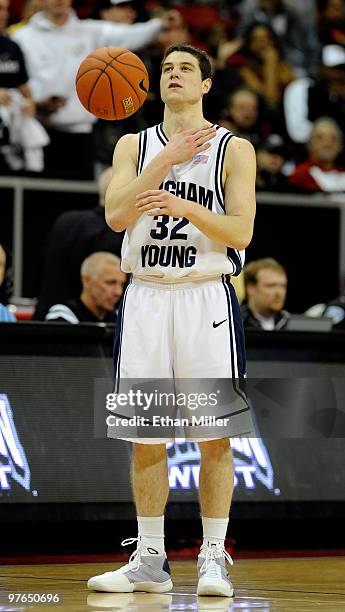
(74, 235)
(103, 283)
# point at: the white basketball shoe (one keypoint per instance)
(213, 576)
(143, 572)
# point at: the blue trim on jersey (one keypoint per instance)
(163, 133)
(143, 134)
(234, 315)
(222, 165)
(139, 150)
(160, 134)
(118, 341)
(219, 168)
(234, 256)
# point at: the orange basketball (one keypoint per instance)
(112, 83)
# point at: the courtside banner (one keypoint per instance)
(216, 408)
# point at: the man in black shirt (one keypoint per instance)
(265, 282)
(13, 75)
(74, 235)
(103, 283)
(12, 64)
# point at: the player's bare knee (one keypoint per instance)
(149, 452)
(214, 448)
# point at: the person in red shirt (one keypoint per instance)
(320, 172)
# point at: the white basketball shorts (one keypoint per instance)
(187, 330)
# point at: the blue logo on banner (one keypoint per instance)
(251, 461)
(13, 462)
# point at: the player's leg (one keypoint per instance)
(216, 484)
(148, 568)
(149, 477)
(213, 349)
(216, 480)
(141, 351)
(143, 334)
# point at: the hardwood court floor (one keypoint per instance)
(274, 585)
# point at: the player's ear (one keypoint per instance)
(206, 85)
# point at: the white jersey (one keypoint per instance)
(172, 249)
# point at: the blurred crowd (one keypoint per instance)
(278, 81)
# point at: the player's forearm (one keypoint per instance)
(120, 210)
(230, 230)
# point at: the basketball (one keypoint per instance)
(112, 83)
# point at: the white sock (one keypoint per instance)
(151, 530)
(214, 530)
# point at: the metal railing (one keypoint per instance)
(21, 184)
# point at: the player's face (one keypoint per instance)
(106, 288)
(325, 145)
(181, 80)
(269, 294)
(4, 12)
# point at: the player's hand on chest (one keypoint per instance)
(161, 202)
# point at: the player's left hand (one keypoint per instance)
(160, 202)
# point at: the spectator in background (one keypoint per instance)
(335, 310)
(103, 282)
(263, 69)
(297, 34)
(243, 116)
(30, 8)
(5, 315)
(107, 133)
(320, 172)
(55, 42)
(117, 11)
(271, 155)
(15, 95)
(13, 74)
(309, 99)
(175, 35)
(221, 46)
(265, 283)
(326, 97)
(74, 235)
(332, 22)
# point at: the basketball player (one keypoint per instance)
(184, 191)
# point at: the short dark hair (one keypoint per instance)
(201, 56)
